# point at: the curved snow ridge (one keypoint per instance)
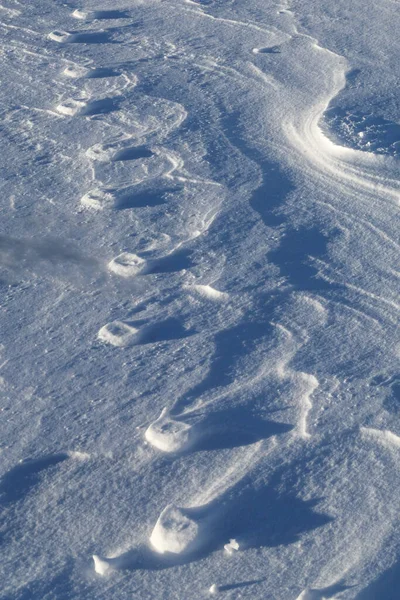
(272, 31)
(353, 170)
(306, 384)
(384, 436)
(207, 291)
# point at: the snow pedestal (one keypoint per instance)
(75, 71)
(60, 36)
(169, 435)
(214, 589)
(98, 199)
(101, 565)
(126, 264)
(175, 532)
(232, 547)
(117, 333)
(80, 14)
(71, 107)
(102, 152)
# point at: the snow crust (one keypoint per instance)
(170, 435)
(174, 532)
(126, 264)
(117, 333)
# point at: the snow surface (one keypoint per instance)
(199, 353)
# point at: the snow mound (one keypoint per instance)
(101, 152)
(232, 547)
(126, 264)
(101, 565)
(60, 36)
(169, 435)
(80, 14)
(214, 589)
(117, 333)
(71, 107)
(174, 532)
(209, 292)
(385, 436)
(98, 199)
(75, 71)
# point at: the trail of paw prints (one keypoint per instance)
(147, 162)
(91, 36)
(127, 156)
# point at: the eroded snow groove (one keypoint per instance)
(199, 299)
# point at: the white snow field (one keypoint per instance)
(199, 351)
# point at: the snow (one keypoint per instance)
(117, 333)
(199, 353)
(126, 264)
(231, 547)
(214, 589)
(98, 199)
(101, 565)
(169, 435)
(174, 532)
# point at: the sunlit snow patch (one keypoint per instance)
(71, 107)
(209, 292)
(101, 565)
(126, 264)
(98, 199)
(175, 532)
(169, 435)
(77, 455)
(102, 152)
(232, 547)
(214, 589)
(383, 436)
(80, 14)
(60, 36)
(117, 333)
(75, 71)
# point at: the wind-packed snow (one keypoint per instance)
(199, 353)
